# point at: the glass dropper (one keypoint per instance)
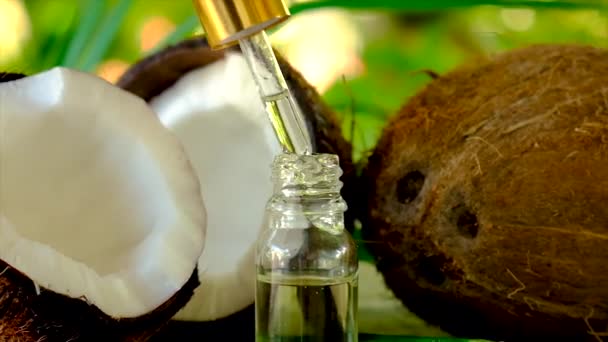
(228, 22)
(287, 121)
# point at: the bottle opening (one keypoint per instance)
(306, 169)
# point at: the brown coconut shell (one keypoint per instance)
(10, 76)
(154, 74)
(485, 198)
(27, 315)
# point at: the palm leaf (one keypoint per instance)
(90, 18)
(101, 41)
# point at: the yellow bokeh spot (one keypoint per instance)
(153, 31)
(14, 28)
(323, 45)
(518, 19)
(112, 69)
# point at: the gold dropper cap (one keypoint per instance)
(227, 21)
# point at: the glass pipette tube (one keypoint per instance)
(287, 120)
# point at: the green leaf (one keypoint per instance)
(91, 16)
(51, 50)
(101, 42)
(437, 5)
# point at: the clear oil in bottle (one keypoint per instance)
(306, 261)
(306, 308)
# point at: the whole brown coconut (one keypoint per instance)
(33, 314)
(486, 198)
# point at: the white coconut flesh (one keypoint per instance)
(98, 200)
(218, 116)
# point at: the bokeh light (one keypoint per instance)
(112, 69)
(518, 19)
(14, 28)
(153, 31)
(323, 45)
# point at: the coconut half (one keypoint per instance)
(233, 159)
(210, 101)
(98, 204)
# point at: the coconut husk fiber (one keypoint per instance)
(31, 314)
(486, 197)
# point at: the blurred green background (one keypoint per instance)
(365, 56)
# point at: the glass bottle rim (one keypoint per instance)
(290, 169)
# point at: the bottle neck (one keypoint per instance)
(307, 192)
(318, 204)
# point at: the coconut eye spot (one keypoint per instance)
(467, 224)
(409, 186)
(430, 269)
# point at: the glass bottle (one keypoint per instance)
(306, 261)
